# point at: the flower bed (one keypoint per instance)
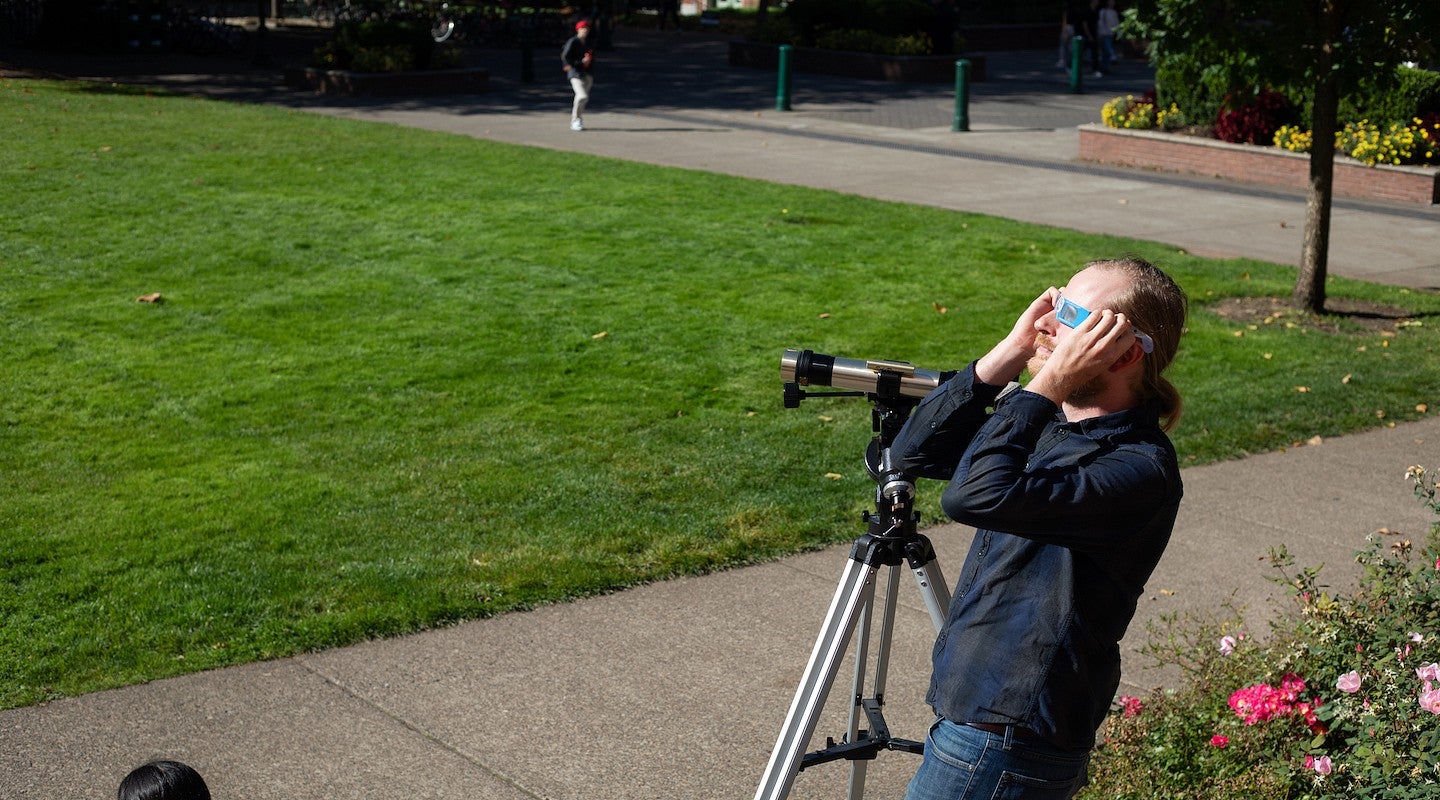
(865, 66)
(420, 82)
(1268, 165)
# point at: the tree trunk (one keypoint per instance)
(1309, 291)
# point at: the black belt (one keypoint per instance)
(1024, 734)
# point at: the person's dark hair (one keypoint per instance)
(1156, 305)
(164, 780)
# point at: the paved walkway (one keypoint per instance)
(678, 689)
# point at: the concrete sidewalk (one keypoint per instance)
(678, 689)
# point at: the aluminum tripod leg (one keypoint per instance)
(850, 609)
(852, 597)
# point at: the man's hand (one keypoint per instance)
(1086, 352)
(1005, 361)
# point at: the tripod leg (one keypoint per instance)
(860, 767)
(934, 590)
(852, 598)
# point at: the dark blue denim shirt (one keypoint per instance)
(1070, 520)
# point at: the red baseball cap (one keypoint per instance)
(582, 24)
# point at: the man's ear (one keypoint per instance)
(1131, 356)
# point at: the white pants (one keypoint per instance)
(582, 95)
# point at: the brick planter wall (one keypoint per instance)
(1267, 165)
(865, 66)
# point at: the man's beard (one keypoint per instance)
(1082, 393)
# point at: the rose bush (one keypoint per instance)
(1342, 700)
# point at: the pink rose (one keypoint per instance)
(1323, 765)
(1227, 645)
(1219, 741)
(1430, 699)
(1131, 705)
(1349, 682)
(1429, 672)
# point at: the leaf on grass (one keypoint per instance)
(601, 335)
(1302, 389)
(835, 476)
(153, 297)
(939, 309)
(1346, 379)
(824, 418)
(1315, 441)
(1422, 408)
(825, 315)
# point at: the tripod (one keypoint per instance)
(890, 540)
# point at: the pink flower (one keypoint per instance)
(1430, 699)
(1219, 741)
(1429, 672)
(1131, 705)
(1349, 683)
(1322, 765)
(1227, 645)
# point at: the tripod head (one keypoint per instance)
(894, 388)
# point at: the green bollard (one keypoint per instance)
(1077, 51)
(962, 96)
(782, 88)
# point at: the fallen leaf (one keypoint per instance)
(826, 315)
(939, 309)
(1379, 413)
(1302, 389)
(1238, 334)
(601, 335)
(835, 476)
(1345, 380)
(1168, 592)
(824, 418)
(1422, 408)
(1268, 356)
(153, 297)
(1315, 441)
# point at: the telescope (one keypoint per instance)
(886, 379)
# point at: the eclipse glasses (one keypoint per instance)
(1071, 314)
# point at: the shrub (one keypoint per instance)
(1198, 88)
(384, 46)
(1415, 143)
(812, 18)
(1343, 702)
(1171, 119)
(1412, 93)
(1253, 118)
(1293, 138)
(1129, 112)
(872, 42)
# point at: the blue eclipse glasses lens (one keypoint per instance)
(1072, 314)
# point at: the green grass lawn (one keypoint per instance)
(401, 378)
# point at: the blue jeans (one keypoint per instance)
(965, 763)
